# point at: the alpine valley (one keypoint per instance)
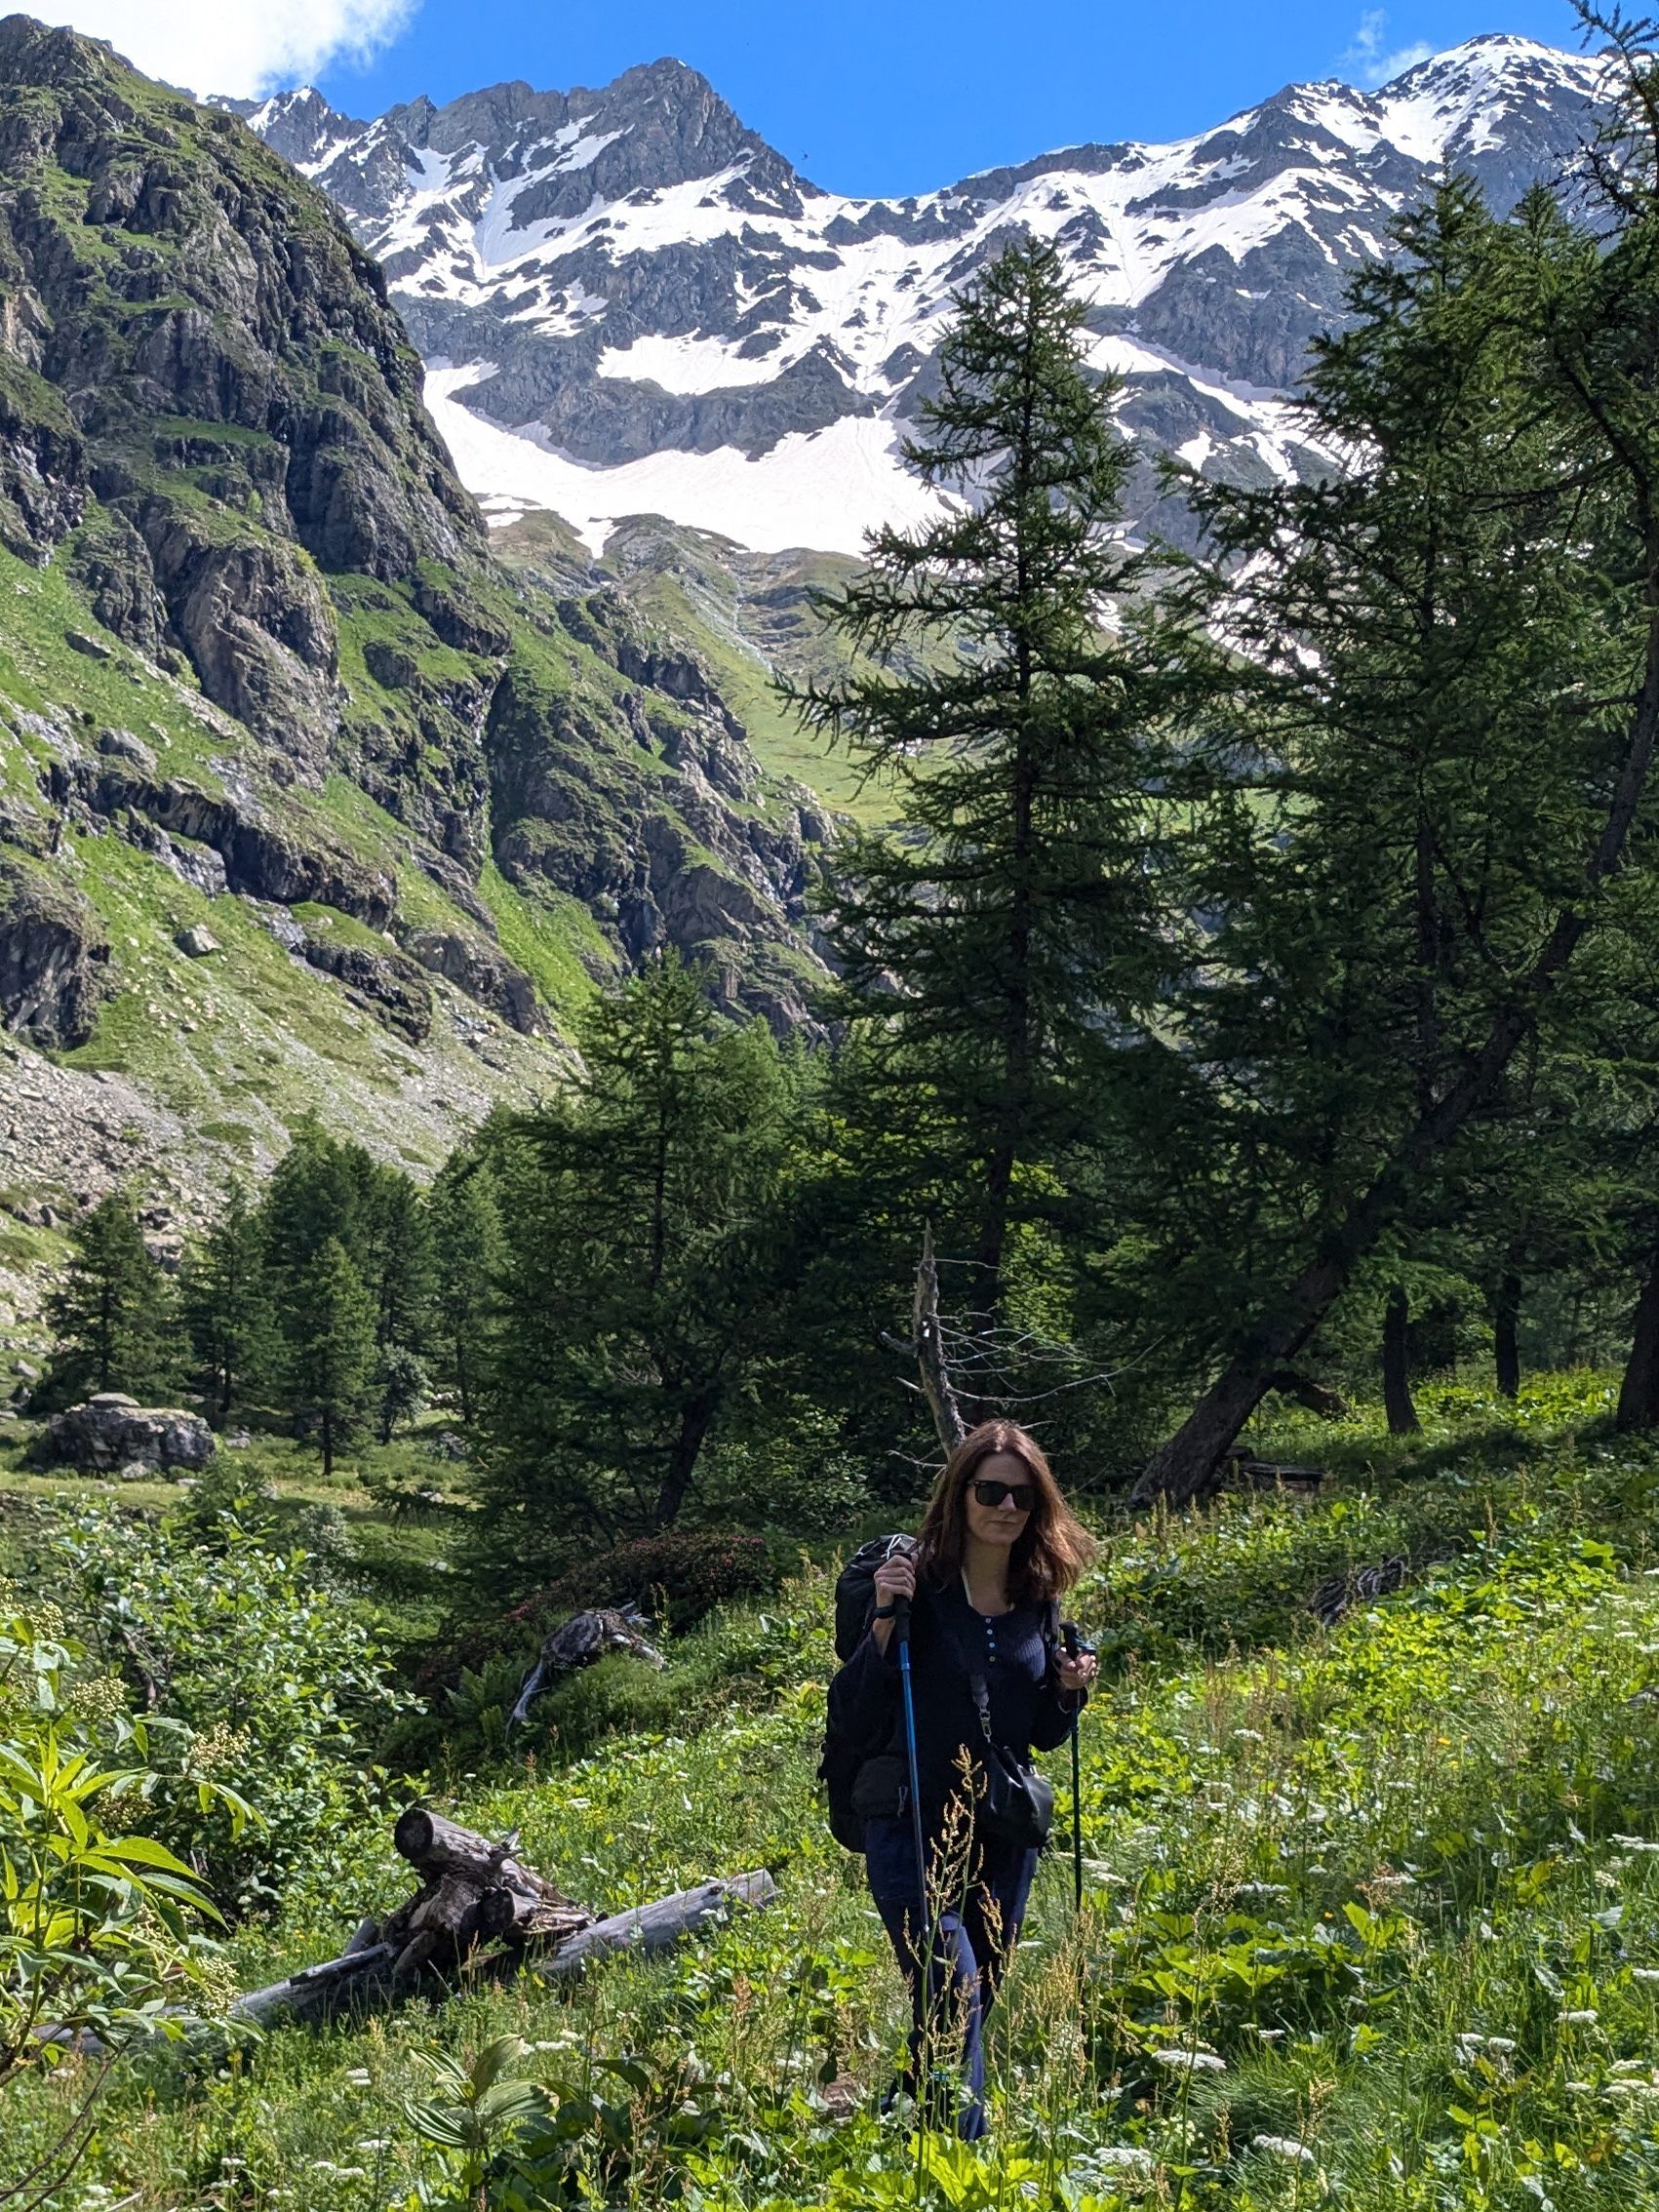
(400, 524)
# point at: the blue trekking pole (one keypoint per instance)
(1068, 1629)
(901, 1634)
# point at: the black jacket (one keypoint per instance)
(948, 1643)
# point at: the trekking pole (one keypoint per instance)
(1068, 1633)
(901, 1635)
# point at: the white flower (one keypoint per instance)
(1191, 2062)
(1581, 2088)
(1503, 2045)
(1286, 2146)
(359, 2078)
(1585, 2019)
(1125, 2157)
(1644, 1973)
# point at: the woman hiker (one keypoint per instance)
(998, 1550)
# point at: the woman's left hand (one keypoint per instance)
(1076, 1673)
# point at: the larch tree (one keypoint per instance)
(638, 1282)
(1431, 751)
(113, 1313)
(1005, 689)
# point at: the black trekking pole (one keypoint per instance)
(1068, 1634)
(901, 1635)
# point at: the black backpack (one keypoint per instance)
(845, 1753)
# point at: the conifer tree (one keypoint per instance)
(225, 1299)
(638, 1284)
(114, 1314)
(1432, 762)
(1005, 699)
(329, 1330)
(467, 1242)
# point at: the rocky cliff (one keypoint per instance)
(308, 803)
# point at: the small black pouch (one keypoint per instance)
(1017, 1806)
(881, 1789)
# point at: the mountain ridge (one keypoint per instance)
(629, 302)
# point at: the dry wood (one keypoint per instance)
(478, 1901)
(659, 1926)
(440, 1846)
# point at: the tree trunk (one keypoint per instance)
(1401, 1415)
(1638, 1393)
(695, 1421)
(1506, 1347)
(936, 1385)
(328, 1444)
(1307, 1390)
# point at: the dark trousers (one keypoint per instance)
(953, 1968)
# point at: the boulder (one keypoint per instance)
(113, 1431)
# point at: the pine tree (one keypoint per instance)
(466, 1235)
(1006, 698)
(638, 1293)
(225, 1298)
(327, 1322)
(114, 1315)
(1431, 760)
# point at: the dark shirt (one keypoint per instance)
(948, 1643)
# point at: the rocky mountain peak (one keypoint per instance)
(633, 304)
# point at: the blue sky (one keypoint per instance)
(902, 95)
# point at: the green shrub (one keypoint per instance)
(95, 1922)
(279, 1688)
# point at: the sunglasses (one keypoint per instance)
(1023, 1494)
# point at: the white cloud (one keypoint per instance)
(1369, 57)
(242, 47)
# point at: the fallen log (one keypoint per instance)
(479, 1907)
(659, 1927)
(578, 1642)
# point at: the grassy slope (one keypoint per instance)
(244, 1042)
(743, 615)
(1382, 1874)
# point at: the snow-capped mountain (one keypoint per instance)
(628, 303)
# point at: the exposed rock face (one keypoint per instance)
(640, 272)
(256, 854)
(114, 1431)
(54, 959)
(392, 987)
(481, 970)
(210, 417)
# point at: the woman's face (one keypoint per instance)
(1003, 1524)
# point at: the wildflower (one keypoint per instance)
(359, 2078)
(1644, 1973)
(1286, 2146)
(1502, 2044)
(1585, 2019)
(1580, 2088)
(1191, 2062)
(1127, 2158)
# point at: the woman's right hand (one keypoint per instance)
(896, 1577)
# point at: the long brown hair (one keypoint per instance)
(1054, 1547)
